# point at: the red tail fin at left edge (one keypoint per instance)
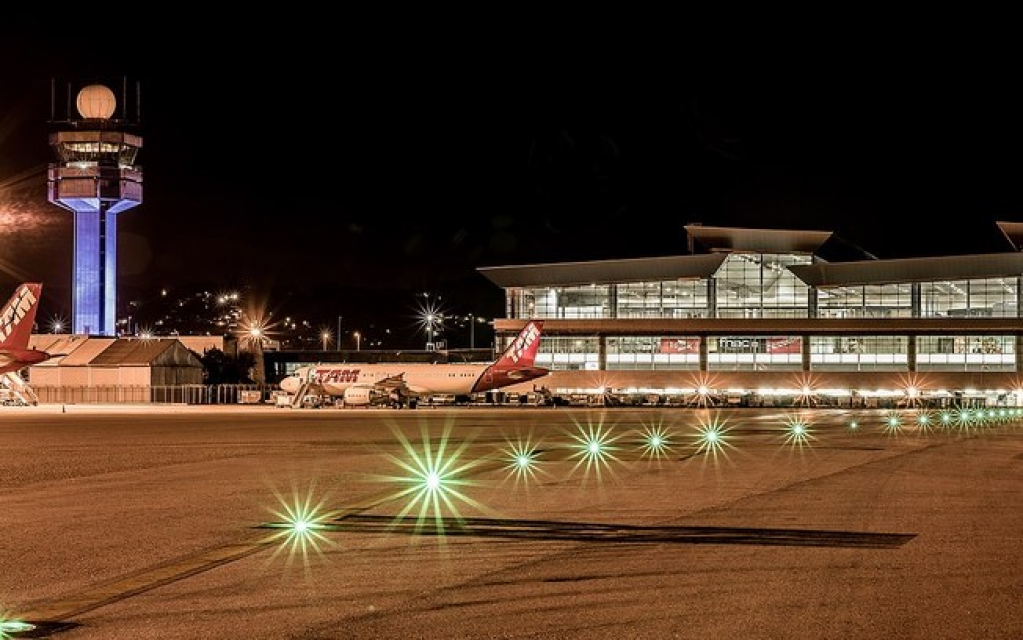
(19, 315)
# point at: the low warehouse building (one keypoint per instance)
(100, 369)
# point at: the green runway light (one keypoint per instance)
(656, 442)
(925, 421)
(965, 419)
(711, 438)
(432, 480)
(10, 628)
(595, 449)
(299, 526)
(892, 424)
(797, 432)
(521, 458)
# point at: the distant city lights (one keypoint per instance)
(170, 312)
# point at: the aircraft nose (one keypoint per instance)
(290, 384)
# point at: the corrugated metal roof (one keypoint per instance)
(605, 271)
(60, 345)
(86, 351)
(134, 351)
(988, 265)
(759, 240)
(81, 350)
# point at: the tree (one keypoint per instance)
(220, 368)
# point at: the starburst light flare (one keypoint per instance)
(657, 442)
(432, 479)
(797, 432)
(594, 450)
(300, 526)
(711, 439)
(522, 461)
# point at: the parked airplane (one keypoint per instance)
(16, 321)
(404, 383)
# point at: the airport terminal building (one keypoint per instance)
(779, 317)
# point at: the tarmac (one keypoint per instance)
(250, 521)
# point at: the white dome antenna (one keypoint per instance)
(96, 102)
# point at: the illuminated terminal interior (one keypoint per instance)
(758, 316)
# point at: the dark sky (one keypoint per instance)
(308, 153)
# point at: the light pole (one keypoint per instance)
(256, 337)
(326, 337)
(339, 334)
(358, 341)
(432, 320)
(472, 331)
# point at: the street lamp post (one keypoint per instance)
(358, 341)
(472, 331)
(325, 336)
(256, 337)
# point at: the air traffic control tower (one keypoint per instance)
(96, 178)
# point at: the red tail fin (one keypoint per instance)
(18, 316)
(522, 350)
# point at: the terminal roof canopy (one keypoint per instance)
(986, 265)
(757, 240)
(836, 263)
(605, 271)
(1013, 232)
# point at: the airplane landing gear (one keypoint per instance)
(399, 401)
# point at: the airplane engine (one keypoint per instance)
(363, 396)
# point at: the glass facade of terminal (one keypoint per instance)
(759, 286)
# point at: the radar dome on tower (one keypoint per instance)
(96, 102)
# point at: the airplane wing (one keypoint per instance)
(397, 386)
(392, 383)
(393, 389)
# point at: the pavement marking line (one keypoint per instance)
(116, 589)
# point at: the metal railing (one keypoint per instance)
(175, 394)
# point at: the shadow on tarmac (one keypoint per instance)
(615, 533)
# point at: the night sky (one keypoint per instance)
(306, 159)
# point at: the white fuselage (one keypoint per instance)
(419, 378)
